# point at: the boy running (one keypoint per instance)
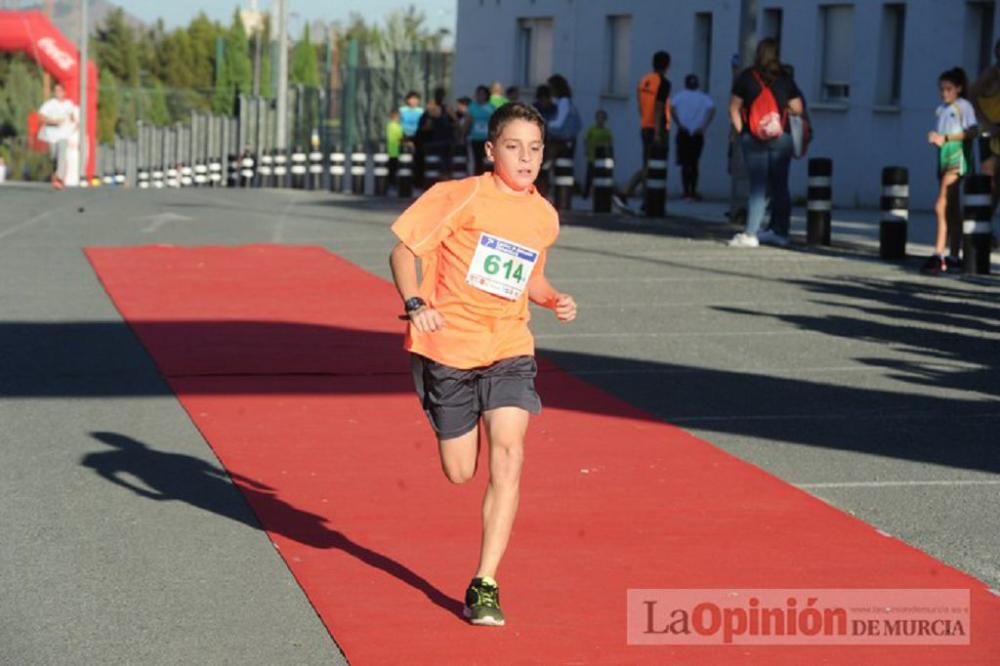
(482, 242)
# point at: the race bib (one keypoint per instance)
(501, 267)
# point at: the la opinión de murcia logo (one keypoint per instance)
(799, 617)
(64, 60)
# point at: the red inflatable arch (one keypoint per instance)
(34, 34)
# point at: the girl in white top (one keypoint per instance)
(956, 122)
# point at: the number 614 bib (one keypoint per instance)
(501, 267)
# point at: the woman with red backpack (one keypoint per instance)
(763, 97)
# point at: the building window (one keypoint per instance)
(890, 58)
(702, 60)
(837, 34)
(534, 51)
(617, 42)
(978, 36)
(771, 27)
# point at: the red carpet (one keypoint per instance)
(288, 360)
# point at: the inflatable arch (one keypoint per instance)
(33, 34)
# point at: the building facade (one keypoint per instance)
(868, 70)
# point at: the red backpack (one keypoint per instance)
(764, 120)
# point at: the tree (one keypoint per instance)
(238, 56)
(305, 68)
(159, 112)
(108, 104)
(117, 50)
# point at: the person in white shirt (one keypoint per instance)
(59, 117)
(693, 112)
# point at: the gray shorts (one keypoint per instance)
(454, 399)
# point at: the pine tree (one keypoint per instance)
(238, 56)
(107, 107)
(305, 68)
(117, 49)
(159, 112)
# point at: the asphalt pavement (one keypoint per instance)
(861, 381)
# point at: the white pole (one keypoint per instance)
(84, 31)
(281, 140)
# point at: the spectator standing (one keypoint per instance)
(393, 143)
(497, 98)
(410, 113)
(653, 99)
(513, 94)
(543, 103)
(480, 111)
(693, 112)
(597, 136)
(565, 124)
(462, 121)
(59, 118)
(762, 97)
(956, 123)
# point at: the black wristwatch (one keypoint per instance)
(412, 304)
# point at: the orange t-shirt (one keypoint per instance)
(444, 228)
(652, 89)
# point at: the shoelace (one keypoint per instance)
(488, 596)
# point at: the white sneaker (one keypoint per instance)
(743, 240)
(768, 237)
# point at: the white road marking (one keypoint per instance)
(158, 220)
(24, 225)
(899, 484)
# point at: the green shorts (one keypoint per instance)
(951, 157)
(455, 399)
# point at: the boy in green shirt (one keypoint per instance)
(393, 143)
(598, 136)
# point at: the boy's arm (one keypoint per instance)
(541, 292)
(404, 273)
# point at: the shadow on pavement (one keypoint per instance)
(177, 477)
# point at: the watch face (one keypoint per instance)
(414, 303)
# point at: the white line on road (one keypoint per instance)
(690, 334)
(24, 225)
(899, 484)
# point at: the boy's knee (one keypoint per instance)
(459, 474)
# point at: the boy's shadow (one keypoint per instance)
(179, 477)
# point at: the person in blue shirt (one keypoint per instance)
(479, 113)
(409, 114)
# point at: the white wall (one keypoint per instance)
(861, 139)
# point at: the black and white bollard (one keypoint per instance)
(380, 170)
(819, 201)
(459, 161)
(315, 170)
(265, 170)
(299, 169)
(563, 178)
(157, 180)
(173, 178)
(655, 199)
(544, 179)
(895, 205)
(247, 169)
(215, 172)
(338, 169)
(280, 168)
(359, 159)
(433, 166)
(977, 230)
(603, 180)
(187, 176)
(143, 179)
(233, 171)
(201, 175)
(404, 174)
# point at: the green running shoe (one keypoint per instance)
(482, 603)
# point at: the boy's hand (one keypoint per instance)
(427, 320)
(565, 307)
(935, 138)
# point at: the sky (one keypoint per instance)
(439, 13)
